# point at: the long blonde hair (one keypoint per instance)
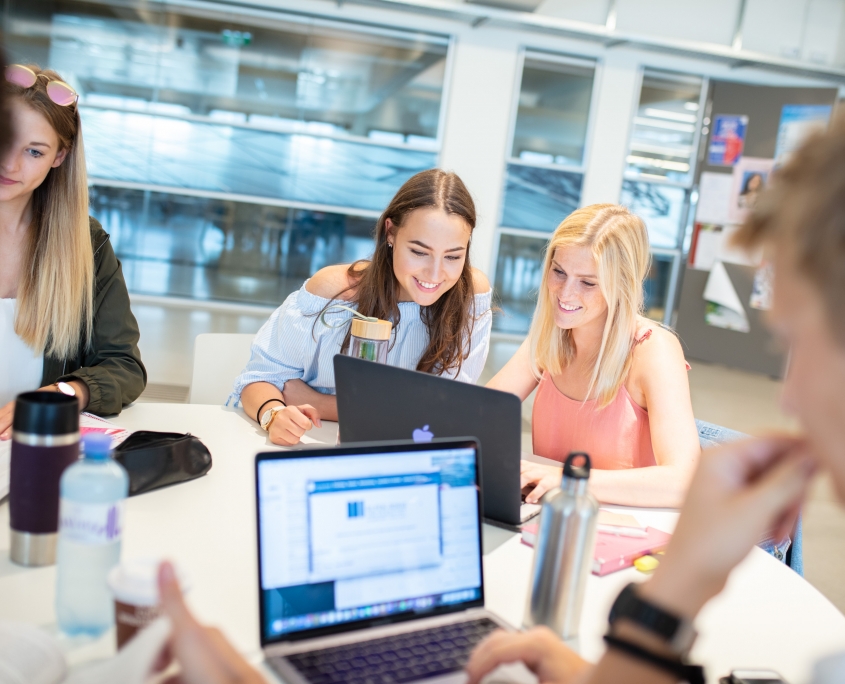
(55, 295)
(619, 244)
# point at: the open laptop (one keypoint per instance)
(369, 563)
(376, 401)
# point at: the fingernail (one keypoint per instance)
(166, 572)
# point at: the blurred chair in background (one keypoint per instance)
(218, 360)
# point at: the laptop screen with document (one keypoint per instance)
(355, 535)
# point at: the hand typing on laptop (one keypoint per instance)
(537, 479)
(540, 649)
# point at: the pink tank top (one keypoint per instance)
(616, 437)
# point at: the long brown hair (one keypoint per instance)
(376, 291)
(55, 295)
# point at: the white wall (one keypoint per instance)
(618, 86)
(713, 21)
(811, 30)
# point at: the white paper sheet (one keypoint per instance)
(714, 195)
(761, 293)
(29, 654)
(88, 423)
(708, 246)
(727, 310)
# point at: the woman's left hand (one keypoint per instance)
(541, 477)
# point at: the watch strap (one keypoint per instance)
(261, 408)
(676, 631)
(273, 411)
(692, 674)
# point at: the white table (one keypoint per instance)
(768, 616)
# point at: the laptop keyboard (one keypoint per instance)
(399, 658)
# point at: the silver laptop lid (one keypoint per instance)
(359, 535)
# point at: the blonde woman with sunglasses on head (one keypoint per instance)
(65, 322)
(609, 381)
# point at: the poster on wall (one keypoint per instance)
(750, 176)
(706, 245)
(723, 308)
(714, 193)
(761, 291)
(727, 139)
(797, 122)
(712, 242)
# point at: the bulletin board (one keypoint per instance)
(750, 119)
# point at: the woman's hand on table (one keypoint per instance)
(291, 422)
(540, 649)
(541, 477)
(740, 492)
(6, 414)
(203, 653)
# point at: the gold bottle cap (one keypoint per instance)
(371, 330)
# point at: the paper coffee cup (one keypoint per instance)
(134, 585)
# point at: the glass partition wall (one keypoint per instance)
(660, 168)
(230, 154)
(544, 174)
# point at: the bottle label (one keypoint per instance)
(91, 523)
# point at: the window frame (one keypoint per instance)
(689, 184)
(526, 52)
(537, 54)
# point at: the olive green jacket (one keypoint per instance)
(111, 364)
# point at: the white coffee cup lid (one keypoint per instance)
(135, 581)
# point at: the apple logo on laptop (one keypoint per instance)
(424, 435)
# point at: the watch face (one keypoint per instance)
(67, 389)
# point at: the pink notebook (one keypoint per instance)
(613, 552)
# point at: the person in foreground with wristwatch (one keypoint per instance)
(743, 489)
(65, 321)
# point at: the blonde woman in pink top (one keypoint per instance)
(609, 381)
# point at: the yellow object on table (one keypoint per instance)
(646, 564)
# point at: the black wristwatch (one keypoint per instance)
(677, 632)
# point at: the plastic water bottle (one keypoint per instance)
(93, 493)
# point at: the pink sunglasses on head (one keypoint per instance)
(58, 91)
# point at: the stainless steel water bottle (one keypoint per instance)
(45, 441)
(563, 552)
